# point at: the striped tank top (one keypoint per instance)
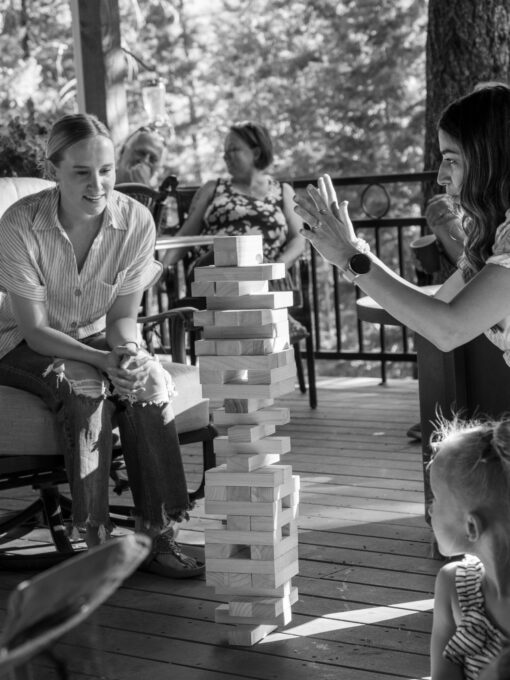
(477, 641)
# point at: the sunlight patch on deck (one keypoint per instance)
(343, 620)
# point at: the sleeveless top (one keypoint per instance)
(477, 641)
(232, 213)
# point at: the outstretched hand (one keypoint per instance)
(328, 226)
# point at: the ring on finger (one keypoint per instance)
(323, 211)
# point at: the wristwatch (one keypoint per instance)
(358, 264)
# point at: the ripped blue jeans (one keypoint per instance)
(79, 396)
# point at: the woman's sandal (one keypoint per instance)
(165, 544)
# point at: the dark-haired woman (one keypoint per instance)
(74, 263)
(474, 140)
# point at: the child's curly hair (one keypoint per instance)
(476, 464)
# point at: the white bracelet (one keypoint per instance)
(132, 342)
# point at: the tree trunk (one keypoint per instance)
(468, 42)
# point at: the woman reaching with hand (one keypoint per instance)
(474, 140)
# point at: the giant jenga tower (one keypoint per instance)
(245, 359)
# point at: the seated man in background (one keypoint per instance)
(141, 157)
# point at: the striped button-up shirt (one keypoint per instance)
(37, 262)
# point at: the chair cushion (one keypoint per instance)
(14, 188)
(28, 427)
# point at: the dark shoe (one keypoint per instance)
(182, 566)
(414, 432)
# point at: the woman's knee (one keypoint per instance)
(83, 379)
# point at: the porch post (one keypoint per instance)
(99, 63)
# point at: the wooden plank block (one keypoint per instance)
(256, 362)
(273, 300)
(245, 317)
(264, 494)
(222, 615)
(248, 566)
(204, 317)
(238, 523)
(262, 606)
(274, 552)
(278, 445)
(270, 521)
(268, 330)
(273, 511)
(250, 433)
(277, 416)
(276, 579)
(224, 551)
(245, 405)
(222, 579)
(242, 255)
(273, 476)
(238, 244)
(237, 288)
(259, 272)
(246, 636)
(241, 536)
(247, 462)
(240, 347)
(222, 377)
(243, 377)
(203, 288)
(282, 590)
(239, 391)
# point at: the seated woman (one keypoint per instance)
(74, 263)
(250, 201)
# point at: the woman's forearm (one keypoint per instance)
(53, 343)
(122, 331)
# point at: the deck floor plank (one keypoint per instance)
(366, 567)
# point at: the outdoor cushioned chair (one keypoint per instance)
(28, 449)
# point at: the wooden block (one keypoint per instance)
(239, 493)
(249, 566)
(273, 511)
(250, 433)
(221, 377)
(276, 416)
(256, 362)
(226, 581)
(237, 523)
(268, 521)
(259, 272)
(274, 552)
(216, 493)
(243, 258)
(204, 317)
(278, 445)
(237, 288)
(205, 347)
(272, 477)
(226, 536)
(262, 606)
(269, 330)
(275, 580)
(273, 300)
(224, 551)
(248, 317)
(243, 377)
(266, 494)
(246, 390)
(235, 243)
(245, 405)
(283, 590)
(246, 462)
(246, 636)
(222, 615)
(203, 289)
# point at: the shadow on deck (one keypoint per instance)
(366, 568)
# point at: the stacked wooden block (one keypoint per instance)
(245, 360)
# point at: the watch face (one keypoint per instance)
(360, 263)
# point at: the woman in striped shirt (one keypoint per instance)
(74, 263)
(470, 513)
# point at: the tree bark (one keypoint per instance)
(468, 42)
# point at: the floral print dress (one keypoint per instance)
(232, 213)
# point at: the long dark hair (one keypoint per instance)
(480, 123)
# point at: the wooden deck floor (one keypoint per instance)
(366, 572)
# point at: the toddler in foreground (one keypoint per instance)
(470, 480)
